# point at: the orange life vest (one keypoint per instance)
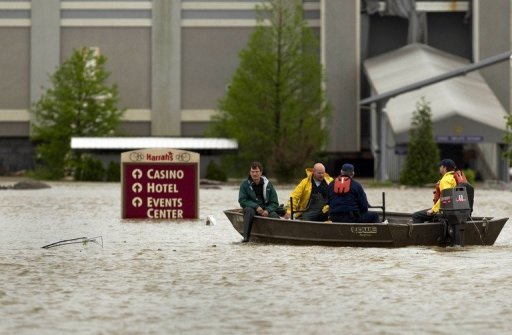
(342, 185)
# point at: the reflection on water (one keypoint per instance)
(189, 278)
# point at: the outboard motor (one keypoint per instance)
(455, 211)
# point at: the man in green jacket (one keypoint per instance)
(257, 196)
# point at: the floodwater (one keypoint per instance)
(189, 278)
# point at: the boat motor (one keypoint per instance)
(455, 211)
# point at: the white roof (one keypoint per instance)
(466, 96)
(133, 143)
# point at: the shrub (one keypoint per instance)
(422, 152)
(113, 171)
(89, 169)
(470, 175)
(214, 172)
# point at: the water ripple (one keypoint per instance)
(189, 278)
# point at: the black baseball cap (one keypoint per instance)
(447, 163)
(348, 168)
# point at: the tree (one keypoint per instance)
(508, 137)
(422, 153)
(275, 104)
(80, 103)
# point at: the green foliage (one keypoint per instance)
(114, 171)
(215, 172)
(508, 137)
(89, 169)
(470, 175)
(275, 105)
(423, 153)
(80, 103)
(232, 166)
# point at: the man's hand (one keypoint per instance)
(430, 212)
(287, 216)
(265, 213)
(259, 210)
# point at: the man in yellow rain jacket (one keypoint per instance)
(311, 195)
(446, 169)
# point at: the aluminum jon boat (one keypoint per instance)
(398, 231)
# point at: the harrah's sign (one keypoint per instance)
(160, 184)
(167, 157)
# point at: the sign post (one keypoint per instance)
(160, 184)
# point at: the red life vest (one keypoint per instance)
(437, 192)
(459, 178)
(342, 185)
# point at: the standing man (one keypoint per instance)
(257, 196)
(347, 199)
(311, 195)
(446, 170)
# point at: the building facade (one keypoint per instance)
(173, 59)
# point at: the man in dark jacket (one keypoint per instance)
(347, 199)
(257, 196)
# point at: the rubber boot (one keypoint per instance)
(249, 214)
(247, 231)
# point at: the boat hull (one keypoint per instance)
(398, 232)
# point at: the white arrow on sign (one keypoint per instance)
(137, 202)
(137, 187)
(137, 173)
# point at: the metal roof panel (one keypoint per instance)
(468, 96)
(133, 143)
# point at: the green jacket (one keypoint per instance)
(247, 196)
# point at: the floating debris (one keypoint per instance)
(210, 221)
(210, 184)
(25, 185)
(30, 185)
(83, 240)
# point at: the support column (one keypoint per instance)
(340, 48)
(44, 45)
(503, 164)
(494, 25)
(383, 149)
(475, 17)
(492, 22)
(166, 68)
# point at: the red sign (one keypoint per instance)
(158, 187)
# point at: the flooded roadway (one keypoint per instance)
(189, 278)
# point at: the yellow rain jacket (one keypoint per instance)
(302, 193)
(448, 181)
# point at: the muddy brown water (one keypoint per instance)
(189, 278)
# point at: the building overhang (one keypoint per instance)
(134, 143)
(462, 106)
